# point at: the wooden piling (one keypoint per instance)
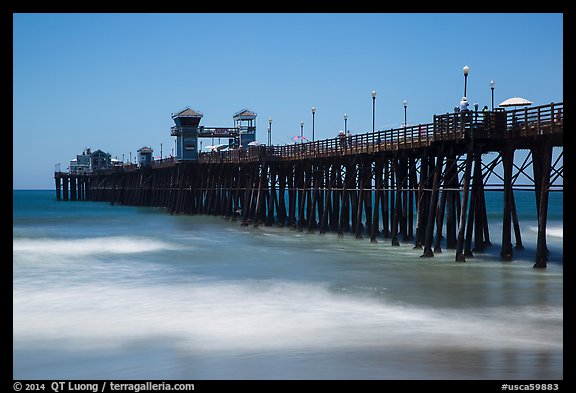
(65, 187)
(411, 194)
(479, 212)
(507, 162)
(336, 197)
(330, 178)
(419, 238)
(377, 191)
(516, 224)
(314, 197)
(440, 222)
(404, 190)
(544, 152)
(432, 208)
(359, 201)
(368, 196)
(385, 198)
(281, 216)
(464, 205)
(395, 204)
(58, 181)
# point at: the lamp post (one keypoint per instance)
(405, 106)
(373, 109)
(301, 131)
(466, 70)
(270, 131)
(160, 151)
(345, 122)
(492, 88)
(313, 113)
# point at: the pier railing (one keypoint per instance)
(164, 162)
(538, 120)
(408, 137)
(523, 122)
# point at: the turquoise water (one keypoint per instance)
(118, 292)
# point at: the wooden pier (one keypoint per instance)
(415, 184)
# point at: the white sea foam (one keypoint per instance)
(552, 231)
(269, 315)
(555, 232)
(85, 247)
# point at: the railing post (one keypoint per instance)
(538, 128)
(553, 117)
(435, 126)
(525, 120)
(404, 141)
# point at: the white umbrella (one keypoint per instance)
(515, 101)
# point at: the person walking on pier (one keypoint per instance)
(485, 116)
(464, 105)
(342, 139)
(464, 112)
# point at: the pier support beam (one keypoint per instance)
(281, 214)
(543, 159)
(507, 162)
(516, 224)
(58, 181)
(432, 208)
(329, 181)
(360, 200)
(65, 187)
(463, 207)
(411, 193)
(395, 200)
(377, 191)
(451, 197)
(419, 240)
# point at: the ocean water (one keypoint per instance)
(119, 292)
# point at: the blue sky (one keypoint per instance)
(111, 81)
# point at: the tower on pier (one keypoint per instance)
(186, 132)
(245, 121)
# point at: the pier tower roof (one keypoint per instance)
(187, 117)
(245, 114)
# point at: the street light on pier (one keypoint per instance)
(492, 88)
(270, 131)
(345, 122)
(313, 113)
(466, 70)
(405, 106)
(301, 131)
(373, 109)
